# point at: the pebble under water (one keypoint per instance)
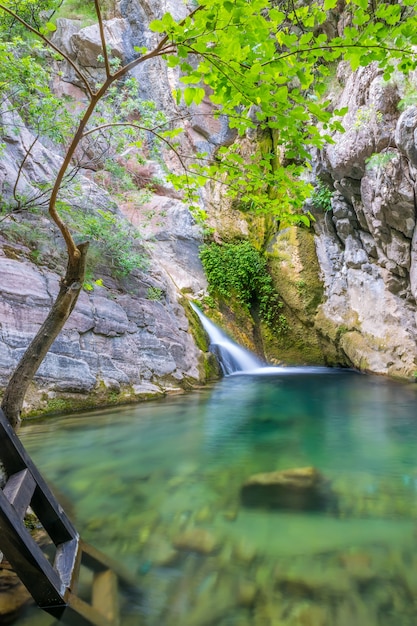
(157, 486)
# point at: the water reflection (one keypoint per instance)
(158, 487)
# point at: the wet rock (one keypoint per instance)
(231, 514)
(308, 614)
(358, 565)
(268, 614)
(354, 611)
(244, 552)
(197, 540)
(160, 551)
(314, 583)
(293, 489)
(246, 593)
(205, 514)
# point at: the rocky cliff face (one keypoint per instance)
(366, 243)
(129, 339)
(116, 347)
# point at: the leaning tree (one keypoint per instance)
(262, 63)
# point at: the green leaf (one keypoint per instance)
(329, 4)
(199, 94)
(305, 38)
(188, 95)
(363, 4)
(157, 26)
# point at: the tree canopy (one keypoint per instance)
(265, 64)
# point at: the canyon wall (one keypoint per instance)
(130, 339)
(366, 242)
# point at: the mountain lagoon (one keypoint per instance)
(158, 486)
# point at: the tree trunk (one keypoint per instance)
(65, 301)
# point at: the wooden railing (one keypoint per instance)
(52, 580)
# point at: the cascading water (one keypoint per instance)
(232, 357)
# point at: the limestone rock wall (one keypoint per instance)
(366, 244)
(115, 347)
(129, 340)
(132, 340)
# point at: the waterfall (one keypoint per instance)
(231, 356)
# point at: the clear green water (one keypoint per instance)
(139, 477)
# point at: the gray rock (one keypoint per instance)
(355, 255)
(110, 318)
(129, 344)
(413, 268)
(21, 283)
(39, 167)
(87, 48)
(62, 36)
(368, 258)
(384, 96)
(406, 134)
(64, 373)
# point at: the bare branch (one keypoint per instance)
(103, 38)
(330, 46)
(28, 151)
(142, 128)
(5, 217)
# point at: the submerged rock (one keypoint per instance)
(293, 489)
(197, 540)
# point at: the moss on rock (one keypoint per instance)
(295, 271)
(39, 403)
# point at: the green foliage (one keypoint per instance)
(210, 302)
(409, 96)
(367, 115)
(24, 80)
(379, 160)
(155, 293)
(238, 270)
(321, 198)
(113, 237)
(84, 11)
(24, 89)
(34, 12)
(264, 65)
(90, 284)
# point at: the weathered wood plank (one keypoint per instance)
(79, 613)
(53, 588)
(105, 598)
(27, 559)
(19, 491)
(67, 563)
(15, 459)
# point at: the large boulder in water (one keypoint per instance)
(298, 489)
